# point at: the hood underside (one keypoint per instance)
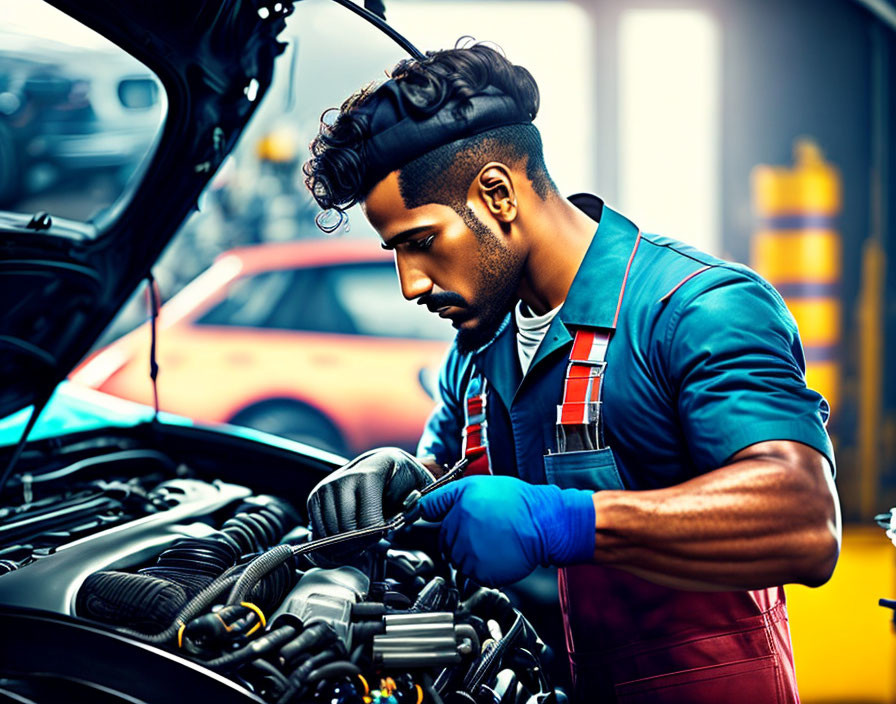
(62, 286)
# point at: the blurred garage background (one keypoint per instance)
(760, 131)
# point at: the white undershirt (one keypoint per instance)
(531, 330)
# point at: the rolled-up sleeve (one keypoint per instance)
(735, 358)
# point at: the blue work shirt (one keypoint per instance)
(705, 360)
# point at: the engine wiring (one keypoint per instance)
(394, 627)
(238, 594)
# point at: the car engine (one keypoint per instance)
(154, 566)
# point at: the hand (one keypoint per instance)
(498, 529)
(364, 492)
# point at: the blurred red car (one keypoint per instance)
(310, 340)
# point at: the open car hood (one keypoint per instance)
(61, 288)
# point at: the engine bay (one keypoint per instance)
(163, 553)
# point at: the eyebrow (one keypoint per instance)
(392, 242)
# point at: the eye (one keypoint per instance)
(421, 245)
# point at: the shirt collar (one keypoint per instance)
(592, 300)
(529, 322)
(596, 290)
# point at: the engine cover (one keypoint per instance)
(51, 582)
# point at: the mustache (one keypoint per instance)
(434, 301)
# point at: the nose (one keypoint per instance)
(414, 281)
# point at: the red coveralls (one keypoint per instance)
(727, 647)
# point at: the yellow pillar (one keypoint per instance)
(871, 322)
(844, 647)
(797, 249)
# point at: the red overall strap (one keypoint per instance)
(580, 411)
(583, 377)
(474, 434)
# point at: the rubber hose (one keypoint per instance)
(192, 608)
(271, 589)
(296, 679)
(193, 563)
(494, 603)
(255, 649)
(366, 630)
(490, 656)
(340, 668)
(430, 690)
(319, 634)
(257, 528)
(257, 569)
(138, 601)
(270, 670)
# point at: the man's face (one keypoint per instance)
(458, 267)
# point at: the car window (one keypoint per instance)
(357, 299)
(250, 301)
(78, 115)
(371, 296)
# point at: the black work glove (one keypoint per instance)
(365, 492)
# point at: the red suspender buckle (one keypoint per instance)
(578, 417)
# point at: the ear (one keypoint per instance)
(493, 187)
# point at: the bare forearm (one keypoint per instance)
(757, 522)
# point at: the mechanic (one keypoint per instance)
(637, 409)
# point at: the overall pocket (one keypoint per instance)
(588, 469)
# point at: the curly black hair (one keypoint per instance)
(337, 173)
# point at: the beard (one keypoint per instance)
(499, 271)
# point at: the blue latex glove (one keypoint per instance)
(498, 529)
